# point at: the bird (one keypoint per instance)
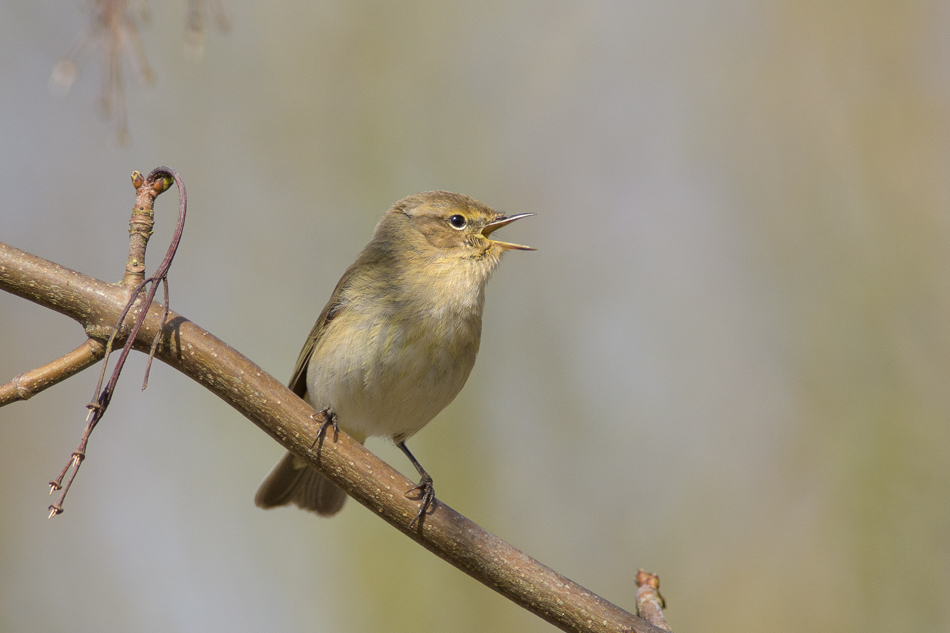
(398, 338)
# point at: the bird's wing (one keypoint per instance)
(298, 381)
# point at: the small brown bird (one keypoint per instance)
(398, 338)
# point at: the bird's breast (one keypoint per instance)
(388, 370)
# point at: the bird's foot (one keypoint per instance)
(327, 419)
(426, 496)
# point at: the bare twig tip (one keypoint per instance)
(650, 603)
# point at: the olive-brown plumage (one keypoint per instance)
(398, 338)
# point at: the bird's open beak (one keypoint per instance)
(505, 221)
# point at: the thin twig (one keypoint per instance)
(147, 189)
(151, 351)
(28, 384)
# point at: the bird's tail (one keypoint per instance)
(293, 481)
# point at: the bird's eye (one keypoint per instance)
(458, 221)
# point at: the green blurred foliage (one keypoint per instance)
(726, 363)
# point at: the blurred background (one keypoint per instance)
(726, 363)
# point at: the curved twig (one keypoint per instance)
(140, 229)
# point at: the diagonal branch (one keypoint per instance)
(289, 420)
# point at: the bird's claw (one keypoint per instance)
(427, 489)
(329, 419)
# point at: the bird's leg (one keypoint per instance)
(424, 486)
(328, 419)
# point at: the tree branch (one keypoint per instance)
(198, 354)
(27, 385)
